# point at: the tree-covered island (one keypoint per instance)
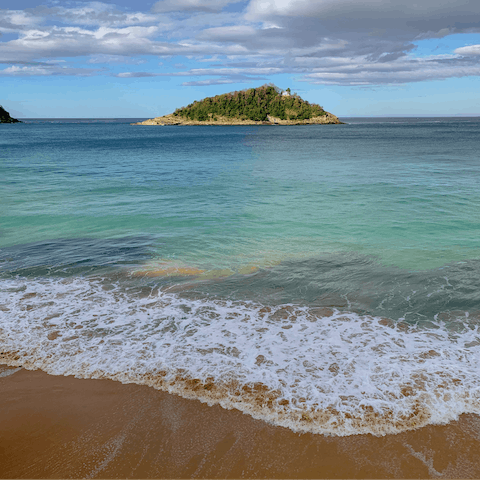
(6, 118)
(266, 105)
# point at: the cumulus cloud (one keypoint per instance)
(13, 21)
(92, 13)
(343, 42)
(420, 16)
(469, 50)
(380, 29)
(57, 42)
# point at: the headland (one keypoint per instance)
(6, 118)
(265, 105)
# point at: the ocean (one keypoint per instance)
(323, 278)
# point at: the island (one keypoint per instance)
(6, 118)
(265, 105)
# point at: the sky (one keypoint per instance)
(140, 59)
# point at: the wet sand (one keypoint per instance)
(62, 427)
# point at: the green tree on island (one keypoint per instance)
(251, 104)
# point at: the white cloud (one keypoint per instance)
(203, 83)
(198, 72)
(191, 5)
(137, 74)
(345, 42)
(12, 21)
(228, 34)
(368, 12)
(45, 70)
(94, 14)
(403, 71)
(468, 50)
(115, 59)
(26, 70)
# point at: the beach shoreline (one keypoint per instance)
(56, 426)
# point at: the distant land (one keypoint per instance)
(265, 105)
(6, 118)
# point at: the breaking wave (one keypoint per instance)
(318, 370)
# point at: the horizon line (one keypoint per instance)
(463, 115)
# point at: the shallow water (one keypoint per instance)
(324, 278)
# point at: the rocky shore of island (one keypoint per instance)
(327, 119)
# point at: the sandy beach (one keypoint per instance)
(62, 427)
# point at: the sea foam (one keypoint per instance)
(310, 369)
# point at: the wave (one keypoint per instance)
(318, 370)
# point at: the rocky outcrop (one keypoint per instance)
(327, 119)
(6, 118)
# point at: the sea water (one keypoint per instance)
(325, 278)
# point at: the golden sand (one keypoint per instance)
(62, 427)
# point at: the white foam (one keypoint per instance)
(6, 371)
(341, 374)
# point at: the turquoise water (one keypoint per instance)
(374, 218)
(406, 193)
